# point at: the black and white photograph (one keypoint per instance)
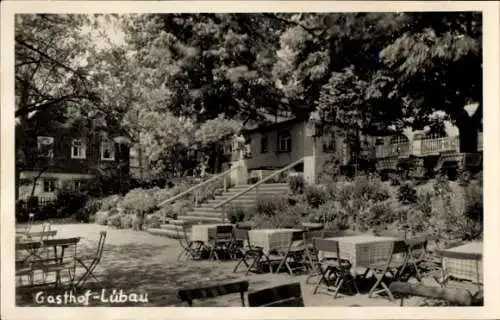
(247, 158)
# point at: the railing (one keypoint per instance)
(197, 187)
(256, 185)
(397, 149)
(432, 146)
(423, 147)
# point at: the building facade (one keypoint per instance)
(274, 146)
(51, 158)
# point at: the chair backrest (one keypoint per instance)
(181, 234)
(297, 236)
(100, 245)
(399, 246)
(245, 226)
(271, 297)
(417, 247)
(63, 242)
(211, 291)
(310, 235)
(223, 232)
(240, 234)
(327, 245)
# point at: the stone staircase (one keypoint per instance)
(205, 213)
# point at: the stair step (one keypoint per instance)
(173, 227)
(201, 219)
(204, 214)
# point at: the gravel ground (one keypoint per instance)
(141, 263)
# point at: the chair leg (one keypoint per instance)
(337, 288)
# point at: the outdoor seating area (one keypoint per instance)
(242, 265)
(44, 260)
(339, 263)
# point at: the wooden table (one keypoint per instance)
(465, 269)
(271, 239)
(362, 250)
(200, 232)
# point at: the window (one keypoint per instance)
(78, 149)
(45, 146)
(328, 139)
(107, 151)
(49, 185)
(284, 142)
(264, 144)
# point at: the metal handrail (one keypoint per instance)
(253, 186)
(180, 195)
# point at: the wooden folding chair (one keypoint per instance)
(311, 253)
(24, 265)
(295, 252)
(454, 297)
(90, 262)
(59, 262)
(212, 291)
(417, 253)
(189, 249)
(247, 251)
(336, 272)
(220, 241)
(287, 295)
(392, 266)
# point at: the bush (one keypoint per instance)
(270, 206)
(68, 202)
(126, 221)
(22, 213)
(154, 220)
(114, 220)
(101, 217)
(137, 223)
(236, 214)
(296, 184)
(407, 194)
(316, 195)
(87, 213)
(138, 202)
(110, 202)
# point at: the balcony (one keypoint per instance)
(424, 147)
(438, 145)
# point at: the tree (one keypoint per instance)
(436, 65)
(211, 63)
(50, 51)
(401, 66)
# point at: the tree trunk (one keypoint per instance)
(35, 181)
(468, 131)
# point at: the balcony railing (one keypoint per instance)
(423, 147)
(435, 146)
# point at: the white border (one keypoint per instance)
(491, 155)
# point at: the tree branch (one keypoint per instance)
(43, 54)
